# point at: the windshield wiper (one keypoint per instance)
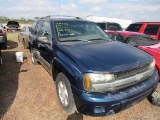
(97, 39)
(71, 40)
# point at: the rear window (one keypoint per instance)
(113, 26)
(134, 27)
(151, 29)
(110, 26)
(13, 23)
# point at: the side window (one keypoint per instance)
(46, 30)
(34, 27)
(134, 27)
(151, 29)
(39, 28)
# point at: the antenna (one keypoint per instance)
(59, 8)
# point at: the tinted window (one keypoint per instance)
(113, 26)
(134, 27)
(13, 24)
(151, 29)
(102, 25)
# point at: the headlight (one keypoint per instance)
(94, 78)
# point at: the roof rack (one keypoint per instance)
(60, 16)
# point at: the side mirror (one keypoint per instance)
(43, 40)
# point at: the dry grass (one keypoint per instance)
(27, 92)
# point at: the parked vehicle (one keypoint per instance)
(139, 40)
(3, 37)
(23, 36)
(109, 26)
(13, 26)
(149, 28)
(123, 22)
(3, 41)
(91, 76)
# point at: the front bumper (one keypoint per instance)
(12, 29)
(107, 103)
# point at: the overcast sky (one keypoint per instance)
(136, 10)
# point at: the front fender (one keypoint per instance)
(71, 72)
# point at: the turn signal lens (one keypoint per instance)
(86, 82)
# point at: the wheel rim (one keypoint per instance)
(63, 93)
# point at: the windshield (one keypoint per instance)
(142, 40)
(79, 31)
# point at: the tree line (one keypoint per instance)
(21, 20)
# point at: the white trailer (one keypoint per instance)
(123, 22)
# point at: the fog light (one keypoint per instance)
(99, 109)
(110, 112)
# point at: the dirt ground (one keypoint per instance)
(27, 92)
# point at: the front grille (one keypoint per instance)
(132, 72)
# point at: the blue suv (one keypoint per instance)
(93, 74)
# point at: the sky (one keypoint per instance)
(135, 10)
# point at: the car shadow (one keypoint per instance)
(9, 72)
(11, 44)
(75, 116)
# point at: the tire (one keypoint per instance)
(64, 93)
(34, 60)
(154, 99)
(0, 58)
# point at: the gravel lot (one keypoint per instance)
(27, 92)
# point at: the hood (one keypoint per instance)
(150, 49)
(154, 46)
(106, 56)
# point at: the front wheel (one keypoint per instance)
(64, 93)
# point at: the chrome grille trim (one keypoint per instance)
(122, 83)
(132, 72)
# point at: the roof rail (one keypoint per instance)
(60, 16)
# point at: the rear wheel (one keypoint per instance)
(64, 93)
